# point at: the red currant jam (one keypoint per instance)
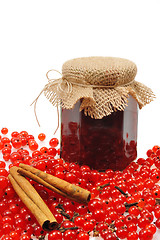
(107, 143)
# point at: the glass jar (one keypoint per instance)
(107, 143)
(99, 99)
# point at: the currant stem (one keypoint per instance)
(64, 214)
(74, 216)
(62, 229)
(131, 204)
(60, 206)
(102, 186)
(121, 191)
(118, 188)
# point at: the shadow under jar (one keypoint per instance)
(107, 143)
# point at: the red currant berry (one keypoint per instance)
(5, 140)
(14, 208)
(24, 237)
(58, 217)
(81, 209)
(94, 204)
(4, 131)
(41, 136)
(69, 234)
(149, 152)
(3, 182)
(143, 222)
(69, 177)
(20, 223)
(157, 223)
(145, 234)
(119, 223)
(14, 134)
(6, 150)
(152, 228)
(24, 133)
(6, 156)
(132, 236)
(79, 221)
(7, 219)
(41, 165)
(68, 224)
(157, 213)
(2, 164)
(6, 237)
(130, 219)
(14, 235)
(6, 228)
(134, 211)
(54, 142)
(101, 226)
(3, 172)
(43, 150)
(120, 208)
(33, 145)
(16, 142)
(23, 140)
(38, 231)
(88, 226)
(52, 151)
(55, 235)
(122, 233)
(1, 145)
(29, 229)
(99, 215)
(132, 227)
(110, 236)
(83, 236)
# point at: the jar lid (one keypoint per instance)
(104, 84)
(109, 71)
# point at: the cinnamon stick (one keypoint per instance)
(32, 200)
(58, 185)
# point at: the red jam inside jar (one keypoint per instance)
(107, 143)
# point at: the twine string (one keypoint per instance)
(50, 83)
(101, 86)
(52, 70)
(60, 88)
(58, 122)
(35, 105)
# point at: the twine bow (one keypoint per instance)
(52, 82)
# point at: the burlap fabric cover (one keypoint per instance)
(104, 84)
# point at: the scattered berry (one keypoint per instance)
(4, 131)
(54, 142)
(41, 136)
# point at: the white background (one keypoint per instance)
(37, 35)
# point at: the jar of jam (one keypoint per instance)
(110, 142)
(99, 101)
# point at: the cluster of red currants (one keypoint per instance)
(124, 204)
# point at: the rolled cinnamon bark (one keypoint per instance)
(58, 185)
(32, 200)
